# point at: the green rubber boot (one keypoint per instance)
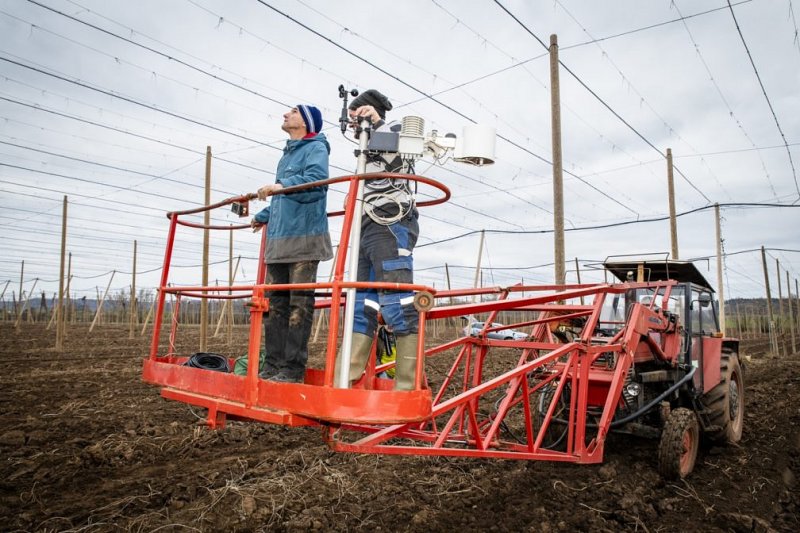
(361, 347)
(406, 362)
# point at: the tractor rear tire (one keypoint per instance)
(555, 438)
(680, 440)
(725, 402)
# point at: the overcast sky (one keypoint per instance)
(114, 102)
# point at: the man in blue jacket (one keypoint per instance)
(297, 240)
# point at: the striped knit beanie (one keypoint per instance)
(311, 116)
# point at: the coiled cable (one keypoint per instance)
(208, 361)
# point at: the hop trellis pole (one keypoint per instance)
(100, 303)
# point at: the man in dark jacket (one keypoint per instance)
(297, 240)
(389, 232)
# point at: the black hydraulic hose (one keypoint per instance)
(644, 409)
(653, 403)
(208, 361)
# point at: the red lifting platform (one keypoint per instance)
(550, 396)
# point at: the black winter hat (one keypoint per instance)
(373, 98)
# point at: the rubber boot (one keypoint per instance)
(361, 347)
(406, 362)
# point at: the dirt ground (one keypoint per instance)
(87, 446)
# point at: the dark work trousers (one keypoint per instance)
(288, 323)
(386, 255)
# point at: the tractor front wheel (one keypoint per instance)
(677, 451)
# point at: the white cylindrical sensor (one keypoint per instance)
(476, 145)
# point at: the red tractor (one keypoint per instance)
(681, 379)
(642, 356)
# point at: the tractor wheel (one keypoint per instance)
(725, 402)
(555, 438)
(677, 451)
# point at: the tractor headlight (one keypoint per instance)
(633, 389)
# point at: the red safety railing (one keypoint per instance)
(552, 395)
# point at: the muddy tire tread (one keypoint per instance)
(670, 448)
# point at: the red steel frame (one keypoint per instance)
(486, 404)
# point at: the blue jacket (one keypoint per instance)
(297, 223)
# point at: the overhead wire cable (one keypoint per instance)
(599, 99)
(162, 177)
(649, 27)
(128, 99)
(81, 138)
(769, 103)
(731, 113)
(578, 115)
(176, 115)
(795, 35)
(126, 132)
(617, 224)
(571, 46)
(121, 61)
(439, 102)
(94, 182)
(362, 37)
(88, 197)
(166, 56)
(159, 53)
(642, 99)
(46, 91)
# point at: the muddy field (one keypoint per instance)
(86, 446)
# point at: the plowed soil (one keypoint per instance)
(87, 446)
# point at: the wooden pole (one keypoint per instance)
(67, 297)
(578, 274)
(791, 312)
(60, 322)
(558, 171)
(478, 266)
(223, 313)
(133, 313)
(97, 297)
(21, 281)
(206, 235)
(20, 294)
(772, 337)
(780, 326)
(447, 277)
(797, 300)
(737, 314)
(673, 222)
(15, 308)
(149, 314)
(2, 301)
(54, 317)
(100, 303)
(720, 284)
(318, 325)
(23, 306)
